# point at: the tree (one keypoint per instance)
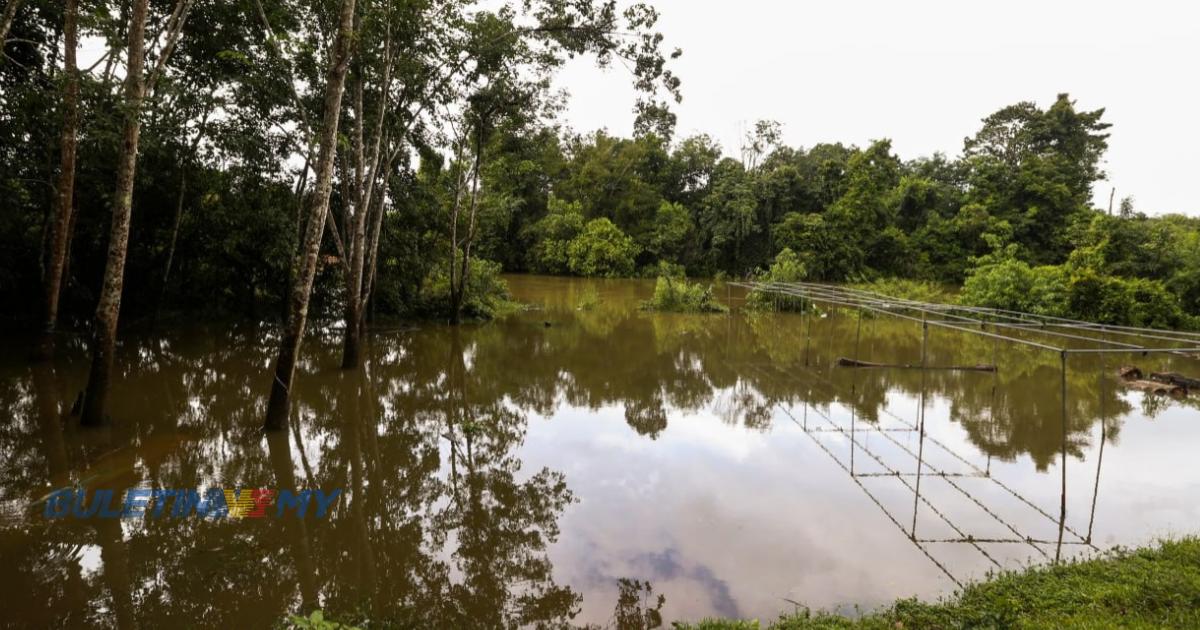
(602, 249)
(65, 186)
(279, 405)
(672, 232)
(1035, 169)
(552, 236)
(104, 335)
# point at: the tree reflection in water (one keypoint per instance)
(440, 525)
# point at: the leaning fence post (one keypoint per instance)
(1062, 515)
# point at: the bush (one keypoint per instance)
(1133, 302)
(589, 300)
(552, 236)
(1073, 290)
(602, 249)
(680, 296)
(786, 268)
(919, 290)
(486, 295)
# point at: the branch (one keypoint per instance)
(174, 31)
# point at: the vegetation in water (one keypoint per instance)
(1083, 287)
(486, 294)
(908, 289)
(588, 300)
(787, 267)
(1144, 588)
(674, 293)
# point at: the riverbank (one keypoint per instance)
(1156, 587)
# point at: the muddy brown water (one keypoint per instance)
(510, 474)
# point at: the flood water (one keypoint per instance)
(510, 474)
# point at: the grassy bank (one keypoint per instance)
(1145, 588)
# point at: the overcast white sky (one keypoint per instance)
(924, 73)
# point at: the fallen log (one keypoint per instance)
(855, 363)
(1175, 378)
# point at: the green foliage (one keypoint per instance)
(1075, 290)
(589, 300)
(552, 236)
(486, 295)
(786, 268)
(677, 295)
(1143, 588)
(672, 229)
(317, 621)
(602, 250)
(903, 288)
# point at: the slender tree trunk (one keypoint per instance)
(354, 222)
(186, 163)
(301, 290)
(64, 199)
(457, 293)
(6, 20)
(367, 173)
(162, 294)
(104, 334)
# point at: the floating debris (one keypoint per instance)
(1175, 378)
(1131, 377)
(855, 363)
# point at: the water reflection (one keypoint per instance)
(514, 474)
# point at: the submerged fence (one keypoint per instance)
(1066, 337)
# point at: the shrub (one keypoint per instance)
(680, 296)
(999, 282)
(919, 290)
(602, 249)
(1073, 290)
(1134, 302)
(486, 295)
(787, 268)
(589, 300)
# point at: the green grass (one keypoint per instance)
(1145, 588)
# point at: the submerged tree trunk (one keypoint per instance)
(104, 335)
(65, 191)
(366, 174)
(306, 267)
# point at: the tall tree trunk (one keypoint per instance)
(104, 334)
(366, 174)
(457, 293)
(301, 290)
(65, 192)
(354, 216)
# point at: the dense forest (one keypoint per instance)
(352, 159)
